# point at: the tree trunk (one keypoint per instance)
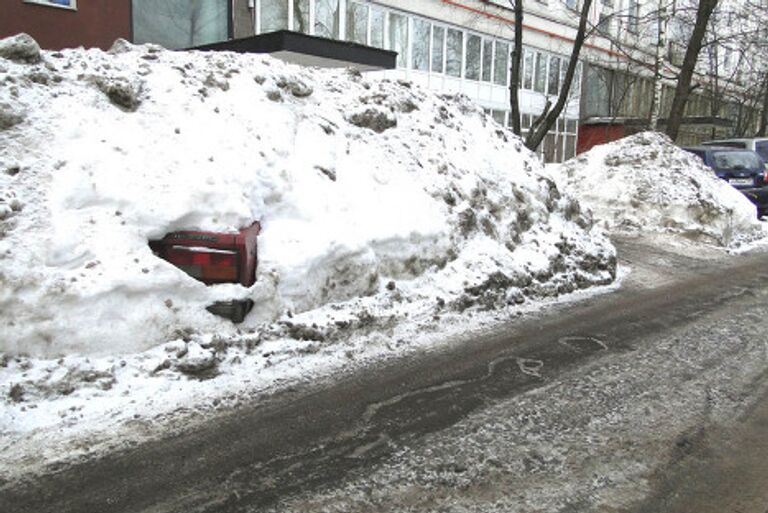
(764, 112)
(549, 117)
(683, 89)
(514, 69)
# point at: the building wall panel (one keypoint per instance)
(95, 23)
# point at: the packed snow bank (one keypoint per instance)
(363, 187)
(646, 183)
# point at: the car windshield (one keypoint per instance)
(762, 149)
(735, 160)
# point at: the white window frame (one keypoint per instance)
(71, 7)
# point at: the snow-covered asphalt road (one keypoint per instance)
(583, 407)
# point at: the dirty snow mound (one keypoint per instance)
(646, 183)
(358, 183)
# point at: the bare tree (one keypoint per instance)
(683, 88)
(549, 115)
(514, 75)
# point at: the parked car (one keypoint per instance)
(756, 144)
(743, 169)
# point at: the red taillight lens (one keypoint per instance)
(224, 259)
(206, 264)
(199, 258)
(179, 256)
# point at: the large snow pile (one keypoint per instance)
(363, 187)
(646, 183)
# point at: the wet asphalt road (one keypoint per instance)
(726, 473)
(300, 440)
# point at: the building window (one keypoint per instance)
(571, 127)
(487, 60)
(554, 76)
(273, 14)
(474, 62)
(540, 79)
(549, 147)
(438, 42)
(326, 18)
(501, 64)
(528, 57)
(597, 86)
(398, 37)
(420, 49)
(454, 55)
(633, 13)
(66, 4)
(180, 23)
(301, 16)
(499, 116)
(604, 23)
(377, 28)
(357, 23)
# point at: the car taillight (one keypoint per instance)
(206, 264)
(212, 257)
(765, 175)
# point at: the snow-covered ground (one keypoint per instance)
(393, 219)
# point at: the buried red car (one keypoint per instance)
(213, 257)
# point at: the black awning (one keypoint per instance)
(307, 50)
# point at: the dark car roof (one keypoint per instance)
(713, 148)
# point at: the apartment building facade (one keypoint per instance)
(450, 46)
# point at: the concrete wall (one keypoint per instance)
(95, 23)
